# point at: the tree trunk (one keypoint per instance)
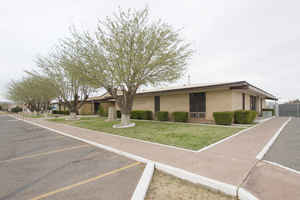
(125, 103)
(125, 119)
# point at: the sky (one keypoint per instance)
(253, 40)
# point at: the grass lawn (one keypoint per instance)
(187, 136)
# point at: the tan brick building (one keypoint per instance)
(199, 100)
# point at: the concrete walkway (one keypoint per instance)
(229, 162)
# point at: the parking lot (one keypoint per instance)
(286, 148)
(36, 163)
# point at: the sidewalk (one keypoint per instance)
(228, 162)
(271, 183)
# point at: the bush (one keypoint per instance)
(60, 112)
(269, 109)
(162, 116)
(223, 118)
(119, 114)
(244, 116)
(16, 109)
(180, 116)
(141, 114)
(102, 111)
(0, 107)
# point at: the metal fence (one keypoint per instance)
(290, 110)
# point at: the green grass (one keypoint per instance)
(182, 135)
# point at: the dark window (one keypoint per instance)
(96, 107)
(243, 101)
(157, 103)
(253, 102)
(197, 102)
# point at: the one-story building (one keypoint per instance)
(199, 100)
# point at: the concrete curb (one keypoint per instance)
(228, 189)
(261, 154)
(194, 178)
(245, 195)
(188, 150)
(234, 135)
(281, 166)
(144, 183)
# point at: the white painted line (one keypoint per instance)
(245, 195)
(128, 155)
(182, 149)
(180, 173)
(261, 154)
(281, 166)
(144, 183)
(197, 179)
(227, 138)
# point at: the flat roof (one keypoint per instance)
(236, 85)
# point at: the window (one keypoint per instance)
(157, 103)
(243, 101)
(197, 105)
(253, 102)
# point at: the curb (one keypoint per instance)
(245, 195)
(234, 135)
(261, 154)
(197, 179)
(144, 183)
(142, 186)
(281, 166)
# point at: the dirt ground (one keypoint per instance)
(165, 186)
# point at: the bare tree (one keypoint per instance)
(128, 51)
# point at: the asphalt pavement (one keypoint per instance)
(36, 163)
(286, 149)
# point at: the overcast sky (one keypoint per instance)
(253, 40)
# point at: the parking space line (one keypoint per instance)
(84, 182)
(38, 139)
(45, 153)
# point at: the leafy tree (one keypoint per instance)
(35, 91)
(128, 51)
(60, 66)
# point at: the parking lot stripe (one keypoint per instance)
(45, 153)
(84, 182)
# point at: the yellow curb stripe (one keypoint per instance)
(84, 182)
(45, 153)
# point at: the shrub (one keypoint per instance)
(0, 107)
(162, 116)
(141, 114)
(60, 112)
(16, 109)
(119, 114)
(223, 118)
(180, 116)
(244, 116)
(269, 109)
(102, 112)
